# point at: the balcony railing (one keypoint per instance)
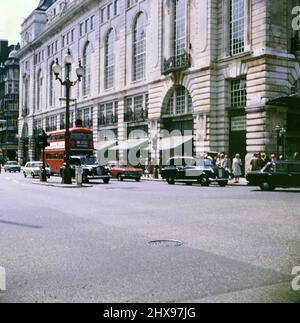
(87, 123)
(177, 63)
(107, 121)
(51, 128)
(295, 44)
(136, 116)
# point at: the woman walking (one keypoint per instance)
(237, 168)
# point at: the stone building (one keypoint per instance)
(221, 71)
(9, 101)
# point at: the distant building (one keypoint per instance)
(9, 102)
(223, 70)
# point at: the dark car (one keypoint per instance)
(285, 174)
(12, 167)
(190, 169)
(90, 168)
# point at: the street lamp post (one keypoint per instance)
(57, 70)
(277, 129)
(283, 141)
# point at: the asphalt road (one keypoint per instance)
(92, 244)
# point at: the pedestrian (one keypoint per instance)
(273, 158)
(223, 161)
(260, 161)
(254, 163)
(237, 168)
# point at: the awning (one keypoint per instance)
(174, 142)
(286, 101)
(130, 144)
(104, 145)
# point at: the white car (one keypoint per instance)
(33, 169)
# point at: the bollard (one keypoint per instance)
(78, 173)
(2, 279)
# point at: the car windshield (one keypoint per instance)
(122, 164)
(269, 168)
(12, 163)
(88, 160)
(37, 165)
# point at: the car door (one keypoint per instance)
(27, 166)
(281, 176)
(180, 172)
(294, 174)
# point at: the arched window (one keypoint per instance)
(87, 52)
(179, 102)
(179, 27)
(139, 48)
(39, 90)
(110, 59)
(51, 86)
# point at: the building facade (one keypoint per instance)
(211, 70)
(9, 102)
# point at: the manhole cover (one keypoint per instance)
(166, 243)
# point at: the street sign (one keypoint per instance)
(238, 123)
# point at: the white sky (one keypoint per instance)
(12, 14)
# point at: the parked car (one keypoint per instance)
(33, 169)
(12, 166)
(122, 170)
(190, 169)
(285, 174)
(90, 168)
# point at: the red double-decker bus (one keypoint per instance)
(81, 144)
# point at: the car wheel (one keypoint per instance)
(170, 180)
(106, 181)
(189, 183)
(25, 175)
(204, 181)
(266, 186)
(120, 178)
(223, 184)
(32, 175)
(138, 180)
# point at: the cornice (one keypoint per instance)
(52, 29)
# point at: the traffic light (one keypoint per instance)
(42, 140)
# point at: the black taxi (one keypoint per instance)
(194, 169)
(284, 174)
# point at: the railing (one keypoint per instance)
(138, 115)
(51, 128)
(107, 121)
(88, 123)
(177, 63)
(295, 44)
